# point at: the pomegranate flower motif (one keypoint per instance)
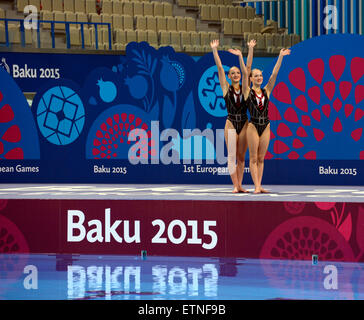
(11, 238)
(294, 207)
(115, 131)
(12, 243)
(316, 106)
(138, 84)
(301, 237)
(342, 221)
(172, 78)
(18, 133)
(107, 90)
(10, 139)
(172, 74)
(11, 136)
(118, 130)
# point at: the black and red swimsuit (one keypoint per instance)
(236, 108)
(258, 109)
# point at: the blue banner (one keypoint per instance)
(157, 116)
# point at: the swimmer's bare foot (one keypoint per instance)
(257, 190)
(236, 190)
(242, 190)
(263, 190)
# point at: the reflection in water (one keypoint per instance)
(330, 279)
(131, 282)
(228, 267)
(64, 260)
(86, 277)
(99, 278)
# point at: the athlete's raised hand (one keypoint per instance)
(252, 43)
(214, 44)
(285, 52)
(237, 52)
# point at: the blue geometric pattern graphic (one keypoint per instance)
(60, 115)
(210, 93)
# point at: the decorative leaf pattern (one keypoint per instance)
(189, 114)
(346, 227)
(169, 111)
(360, 229)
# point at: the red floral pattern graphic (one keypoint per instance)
(299, 108)
(294, 207)
(11, 238)
(301, 237)
(343, 222)
(11, 241)
(12, 135)
(3, 203)
(117, 130)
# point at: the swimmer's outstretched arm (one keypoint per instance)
(249, 59)
(244, 71)
(272, 80)
(220, 69)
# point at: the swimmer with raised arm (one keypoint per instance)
(237, 120)
(258, 130)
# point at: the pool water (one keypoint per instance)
(110, 277)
